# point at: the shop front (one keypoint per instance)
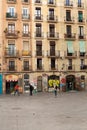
(11, 81)
(53, 79)
(70, 83)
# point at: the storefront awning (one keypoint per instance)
(82, 46)
(70, 47)
(11, 78)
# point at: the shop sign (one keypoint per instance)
(11, 78)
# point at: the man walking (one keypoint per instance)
(16, 90)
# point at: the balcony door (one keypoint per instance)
(38, 13)
(52, 48)
(68, 15)
(67, 2)
(51, 14)
(11, 65)
(38, 30)
(11, 11)
(68, 30)
(11, 49)
(11, 28)
(81, 31)
(25, 13)
(52, 30)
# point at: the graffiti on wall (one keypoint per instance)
(53, 79)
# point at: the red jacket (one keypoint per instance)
(16, 87)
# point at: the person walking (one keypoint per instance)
(31, 89)
(16, 90)
(55, 90)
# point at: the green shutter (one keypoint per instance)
(82, 46)
(70, 47)
(80, 16)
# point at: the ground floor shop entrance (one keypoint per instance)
(70, 82)
(11, 81)
(10, 86)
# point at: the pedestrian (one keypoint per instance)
(31, 89)
(55, 90)
(16, 91)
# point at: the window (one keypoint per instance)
(68, 15)
(68, 30)
(70, 64)
(38, 30)
(26, 65)
(25, 45)
(81, 31)
(80, 16)
(82, 64)
(50, 1)
(52, 30)
(11, 11)
(79, 3)
(25, 13)
(51, 14)
(25, 0)
(52, 48)
(11, 65)
(25, 28)
(39, 48)
(39, 64)
(11, 49)
(11, 28)
(67, 2)
(38, 13)
(52, 63)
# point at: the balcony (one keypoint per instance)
(25, 1)
(26, 34)
(68, 4)
(26, 17)
(11, 53)
(12, 68)
(39, 35)
(70, 67)
(27, 68)
(83, 67)
(71, 36)
(39, 53)
(81, 20)
(83, 54)
(70, 55)
(40, 68)
(10, 16)
(82, 37)
(51, 3)
(26, 53)
(53, 67)
(12, 34)
(11, 1)
(52, 35)
(38, 2)
(80, 5)
(38, 17)
(69, 19)
(52, 18)
(53, 54)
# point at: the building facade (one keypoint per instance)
(43, 42)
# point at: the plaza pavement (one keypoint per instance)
(42, 111)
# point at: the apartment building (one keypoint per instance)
(44, 43)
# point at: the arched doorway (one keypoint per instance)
(70, 82)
